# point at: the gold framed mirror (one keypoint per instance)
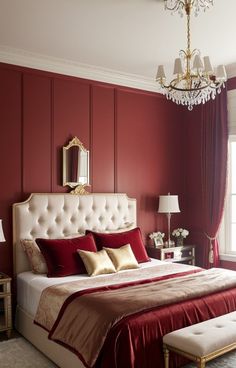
(76, 166)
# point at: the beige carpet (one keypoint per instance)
(18, 353)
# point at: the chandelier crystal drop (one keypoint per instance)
(195, 81)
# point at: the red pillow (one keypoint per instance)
(116, 240)
(61, 254)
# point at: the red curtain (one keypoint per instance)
(214, 140)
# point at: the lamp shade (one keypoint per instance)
(168, 204)
(2, 237)
(207, 65)
(160, 72)
(178, 67)
(221, 73)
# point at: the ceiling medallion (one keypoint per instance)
(195, 81)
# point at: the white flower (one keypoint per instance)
(180, 232)
(156, 235)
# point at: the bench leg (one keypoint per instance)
(201, 364)
(166, 357)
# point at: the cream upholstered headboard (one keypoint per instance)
(56, 215)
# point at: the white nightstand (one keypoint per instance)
(186, 254)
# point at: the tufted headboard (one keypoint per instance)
(58, 215)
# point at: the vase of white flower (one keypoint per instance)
(179, 241)
(180, 235)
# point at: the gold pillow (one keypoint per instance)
(96, 263)
(123, 258)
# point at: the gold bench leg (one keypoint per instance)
(166, 356)
(201, 364)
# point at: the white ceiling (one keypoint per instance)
(120, 37)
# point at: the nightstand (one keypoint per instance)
(5, 304)
(184, 254)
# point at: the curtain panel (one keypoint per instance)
(214, 151)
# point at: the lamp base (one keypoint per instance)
(169, 244)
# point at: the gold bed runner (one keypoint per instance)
(88, 318)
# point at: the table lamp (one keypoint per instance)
(168, 204)
(2, 237)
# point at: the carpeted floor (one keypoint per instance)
(18, 353)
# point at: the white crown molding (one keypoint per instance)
(67, 67)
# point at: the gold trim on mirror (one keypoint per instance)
(76, 166)
(75, 142)
(80, 189)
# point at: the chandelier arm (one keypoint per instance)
(176, 6)
(198, 87)
(195, 5)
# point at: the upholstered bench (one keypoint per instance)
(203, 341)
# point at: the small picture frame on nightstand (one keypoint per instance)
(158, 243)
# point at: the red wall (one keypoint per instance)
(136, 142)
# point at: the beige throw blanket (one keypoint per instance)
(88, 318)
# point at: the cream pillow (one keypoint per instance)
(34, 255)
(123, 258)
(96, 263)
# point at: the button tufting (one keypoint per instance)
(219, 326)
(198, 333)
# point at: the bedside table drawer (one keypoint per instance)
(184, 254)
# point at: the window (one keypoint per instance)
(227, 234)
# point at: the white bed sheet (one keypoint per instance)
(30, 285)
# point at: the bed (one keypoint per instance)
(135, 341)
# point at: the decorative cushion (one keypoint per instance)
(35, 257)
(97, 263)
(116, 240)
(123, 258)
(61, 254)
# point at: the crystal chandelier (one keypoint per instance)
(194, 80)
